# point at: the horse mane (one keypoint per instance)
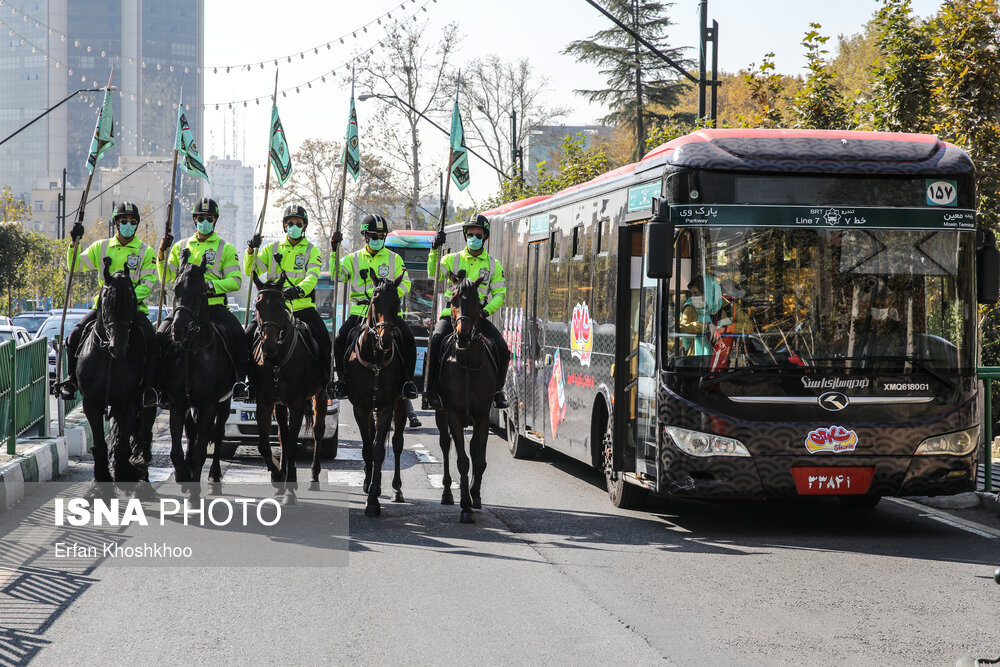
(119, 294)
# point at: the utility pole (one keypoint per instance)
(516, 152)
(62, 210)
(706, 35)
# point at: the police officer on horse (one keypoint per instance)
(301, 261)
(476, 263)
(359, 270)
(222, 276)
(125, 251)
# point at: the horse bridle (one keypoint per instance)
(283, 328)
(195, 325)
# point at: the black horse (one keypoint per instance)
(286, 373)
(112, 366)
(466, 381)
(375, 376)
(198, 376)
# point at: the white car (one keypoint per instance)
(50, 328)
(241, 428)
(11, 332)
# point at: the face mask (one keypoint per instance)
(205, 227)
(474, 243)
(880, 314)
(376, 244)
(127, 229)
(294, 232)
(698, 301)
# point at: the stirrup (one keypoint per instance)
(67, 390)
(150, 398)
(409, 390)
(241, 392)
(337, 389)
(433, 400)
(500, 400)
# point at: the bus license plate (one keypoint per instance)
(833, 481)
(248, 415)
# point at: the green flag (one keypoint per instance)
(352, 152)
(280, 157)
(104, 133)
(459, 168)
(186, 146)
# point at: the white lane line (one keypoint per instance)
(950, 519)
(349, 454)
(437, 481)
(424, 457)
(346, 477)
(160, 474)
(246, 475)
(417, 445)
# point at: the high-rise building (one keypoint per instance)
(53, 48)
(232, 189)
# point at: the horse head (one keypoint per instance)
(119, 308)
(190, 298)
(466, 308)
(383, 308)
(271, 312)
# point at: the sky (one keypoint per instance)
(539, 30)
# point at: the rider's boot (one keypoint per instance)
(409, 390)
(337, 388)
(500, 400)
(68, 388)
(431, 395)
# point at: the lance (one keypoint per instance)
(76, 249)
(168, 226)
(335, 266)
(444, 214)
(260, 220)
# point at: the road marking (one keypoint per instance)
(437, 481)
(417, 446)
(246, 475)
(349, 454)
(950, 519)
(160, 474)
(424, 457)
(346, 477)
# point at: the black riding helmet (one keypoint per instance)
(206, 207)
(374, 224)
(478, 220)
(296, 211)
(124, 208)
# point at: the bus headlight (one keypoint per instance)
(697, 443)
(952, 444)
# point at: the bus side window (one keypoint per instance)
(553, 248)
(578, 242)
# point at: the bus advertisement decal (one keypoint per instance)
(557, 395)
(581, 338)
(834, 439)
(833, 481)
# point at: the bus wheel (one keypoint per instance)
(520, 447)
(623, 494)
(859, 502)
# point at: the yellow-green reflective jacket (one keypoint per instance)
(359, 269)
(136, 255)
(222, 267)
(300, 262)
(493, 289)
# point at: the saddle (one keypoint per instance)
(300, 330)
(450, 342)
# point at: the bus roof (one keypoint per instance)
(410, 238)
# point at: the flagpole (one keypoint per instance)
(335, 267)
(260, 221)
(76, 251)
(168, 226)
(444, 210)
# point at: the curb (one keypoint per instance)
(989, 500)
(79, 437)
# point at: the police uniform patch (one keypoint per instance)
(484, 273)
(383, 271)
(132, 262)
(209, 256)
(300, 261)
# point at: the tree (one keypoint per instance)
(417, 71)
(819, 104)
(767, 91)
(492, 88)
(901, 98)
(638, 79)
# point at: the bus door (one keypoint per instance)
(533, 341)
(635, 376)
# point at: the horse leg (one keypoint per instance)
(191, 431)
(363, 418)
(319, 431)
(289, 449)
(204, 428)
(444, 439)
(125, 473)
(458, 435)
(280, 476)
(399, 416)
(264, 410)
(178, 415)
(218, 431)
(102, 486)
(382, 423)
(142, 455)
(477, 448)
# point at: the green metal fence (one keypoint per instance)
(72, 403)
(988, 374)
(24, 382)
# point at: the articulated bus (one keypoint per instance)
(413, 247)
(754, 313)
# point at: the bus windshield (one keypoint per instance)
(873, 299)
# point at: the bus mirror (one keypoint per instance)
(661, 210)
(660, 250)
(988, 271)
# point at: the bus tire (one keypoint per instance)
(859, 502)
(520, 447)
(624, 495)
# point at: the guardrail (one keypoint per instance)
(988, 373)
(24, 383)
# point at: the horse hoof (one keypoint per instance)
(398, 497)
(373, 509)
(477, 503)
(447, 498)
(467, 517)
(215, 488)
(145, 493)
(290, 500)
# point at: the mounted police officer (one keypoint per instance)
(475, 262)
(359, 270)
(125, 251)
(222, 276)
(301, 261)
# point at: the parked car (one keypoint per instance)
(50, 329)
(241, 428)
(153, 310)
(18, 334)
(5, 320)
(31, 320)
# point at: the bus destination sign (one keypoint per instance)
(843, 217)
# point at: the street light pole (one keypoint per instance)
(368, 96)
(51, 109)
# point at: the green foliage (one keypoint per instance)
(766, 90)
(638, 80)
(668, 130)
(902, 80)
(576, 165)
(820, 104)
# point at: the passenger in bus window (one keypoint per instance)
(710, 318)
(885, 334)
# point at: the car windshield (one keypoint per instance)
(885, 299)
(50, 327)
(30, 322)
